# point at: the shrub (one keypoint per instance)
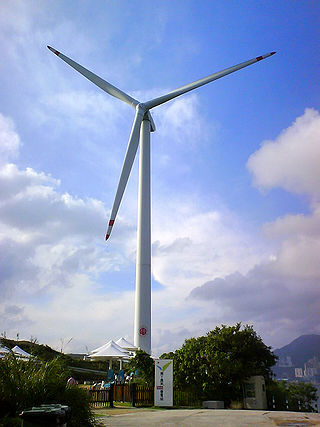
(293, 396)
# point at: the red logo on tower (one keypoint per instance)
(142, 331)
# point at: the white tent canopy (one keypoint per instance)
(4, 350)
(110, 352)
(19, 352)
(16, 350)
(106, 346)
(122, 342)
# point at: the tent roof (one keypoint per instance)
(17, 350)
(4, 349)
(122, 342)
(109, 352)
(111, 342)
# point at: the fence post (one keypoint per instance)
(111, 395)
(133, 393)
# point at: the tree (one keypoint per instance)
(301, 396)
(216, 365)
(144, 364)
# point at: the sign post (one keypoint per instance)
(163, 388)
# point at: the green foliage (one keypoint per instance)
(10, 422)
(43, 352)
(79, 401)
(292, 396)
(169, 355)
(145, 366)
(31, 383)
(301, 396)
(46, 353)
(277, 395)
(216, 365)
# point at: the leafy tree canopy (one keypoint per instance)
(144, 364)
(217, 364)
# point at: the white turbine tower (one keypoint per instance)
(142, 126)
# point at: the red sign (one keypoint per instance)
(142, 331)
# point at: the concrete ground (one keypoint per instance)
(135, 417)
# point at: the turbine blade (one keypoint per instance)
(183, 89)
(98, 81)
(127, 166)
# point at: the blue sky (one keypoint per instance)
(235, 176)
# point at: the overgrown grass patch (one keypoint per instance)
(24, 384)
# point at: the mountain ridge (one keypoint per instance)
(301, 349)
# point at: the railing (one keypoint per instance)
(101, 398)
(185, 398)
(137, 395)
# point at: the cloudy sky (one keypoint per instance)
(235, 169)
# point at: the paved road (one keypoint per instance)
(211, 418)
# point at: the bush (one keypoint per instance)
(10, 422)
(292, 396)
(31, 383)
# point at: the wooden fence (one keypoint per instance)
(138, 395)
(142, 395)
(135, 394)
(121, 393)
(101, 398)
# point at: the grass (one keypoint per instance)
(24, 384)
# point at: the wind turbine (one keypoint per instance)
(142, 126)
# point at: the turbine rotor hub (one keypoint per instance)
(142, 107)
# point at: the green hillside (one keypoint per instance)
(46, 353)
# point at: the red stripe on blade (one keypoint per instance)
(111, 222)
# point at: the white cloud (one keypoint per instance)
(299, 236)
(291, 161)
(181, 121)
(52, 256)
(93, 110)
(280, 295)
(9, 139)
(191, 246)
(276, 304)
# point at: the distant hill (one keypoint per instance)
(301, 349)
